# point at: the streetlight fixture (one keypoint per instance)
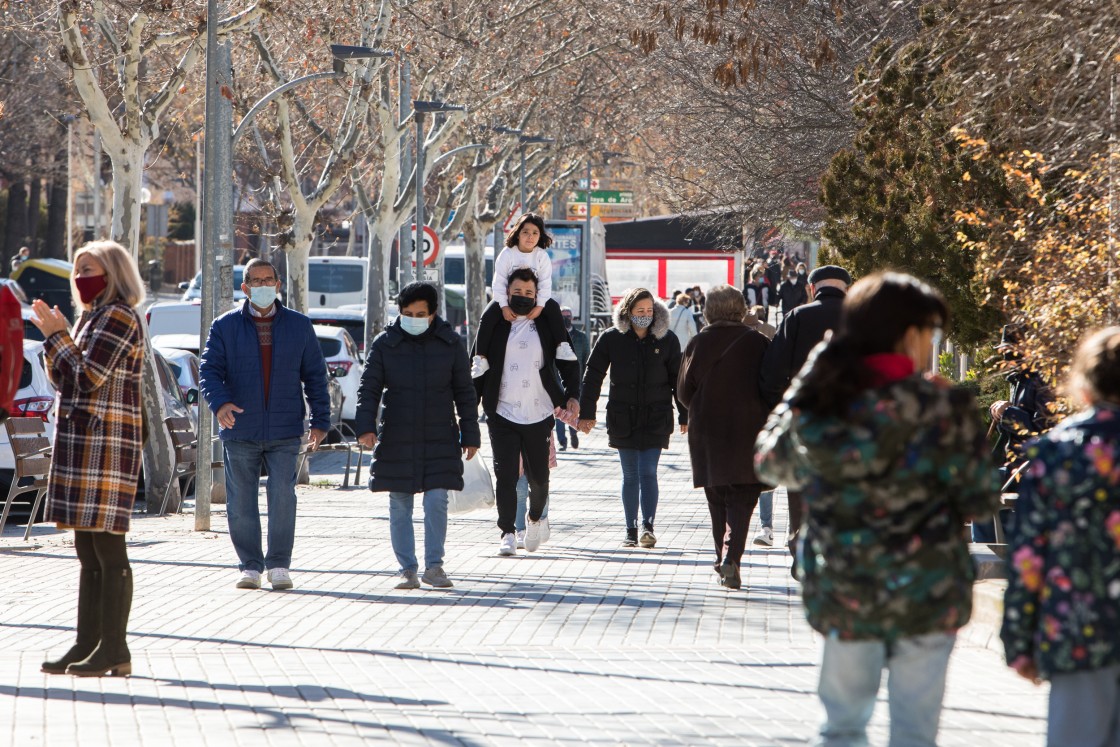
(522, 141)
(419, 109)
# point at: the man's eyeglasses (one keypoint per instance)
(258, 282)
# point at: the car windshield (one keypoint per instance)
(455, 272)
(330, 346)
(330, 278)
(238, 277)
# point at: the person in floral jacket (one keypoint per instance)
(891, 464)
(1061, 617)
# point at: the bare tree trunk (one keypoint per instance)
(474, 235)
(57, 198)
(34, 203)
(15, 228)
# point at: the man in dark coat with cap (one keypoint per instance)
(798, 334)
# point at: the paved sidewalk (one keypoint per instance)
(582, 642)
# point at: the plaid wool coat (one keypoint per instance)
(98, 444)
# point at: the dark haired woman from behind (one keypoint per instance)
(891, 464)
(1061, 610)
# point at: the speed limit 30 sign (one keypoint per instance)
(431, 245)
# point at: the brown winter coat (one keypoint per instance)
(725, 409)
(97, 447)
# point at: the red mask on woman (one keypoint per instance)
(90, 288)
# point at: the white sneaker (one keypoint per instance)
(249, 580)
(521, 540)
(765, 537)
(508, 544)
(532, 534)
(479, 366)
(279, 579)
(545, 533)
(564, 352)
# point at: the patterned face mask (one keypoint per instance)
(641, 322)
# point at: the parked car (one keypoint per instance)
(334, 281)
(193, 289)
(352, 320)
(34, 399)
(184, 364)
(344, 365)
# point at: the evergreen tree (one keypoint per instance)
(894, 197)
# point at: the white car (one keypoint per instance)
(193, 289)
(334, 281)
(34, 399)
(344, 365)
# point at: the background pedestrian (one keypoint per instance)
(417, 377)
(718, 382)
(643, 358)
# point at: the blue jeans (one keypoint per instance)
(766, 509)
(243, 461)
(850, 674)
(639, 483)
(561, 436)
(403, 536)
(1084, 708)
(523, 501)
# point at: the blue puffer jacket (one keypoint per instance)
(231, 372)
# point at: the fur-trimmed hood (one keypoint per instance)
(660, 320)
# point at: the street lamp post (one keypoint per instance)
(218, 244)
(419, 109)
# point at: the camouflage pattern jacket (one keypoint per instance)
(888, 489)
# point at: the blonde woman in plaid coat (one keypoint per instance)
(97, 450)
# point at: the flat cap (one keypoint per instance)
(830, 272)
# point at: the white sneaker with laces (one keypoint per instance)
(508, 545)
(765, 537)
(279, 578)
(479, 366)
(532, 534)
(249, 580)
(564, 352)
(545, 532)
(521, 540)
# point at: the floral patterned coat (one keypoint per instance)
(888, 488)
(1062, 605)
(95, 465)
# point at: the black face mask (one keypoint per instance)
(521, 305)
(567, 323)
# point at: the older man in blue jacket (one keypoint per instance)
(259, 363)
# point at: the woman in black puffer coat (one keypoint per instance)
(643, 358)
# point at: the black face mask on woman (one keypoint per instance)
(521, 305)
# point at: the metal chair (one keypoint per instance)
(32, 450)
(185, 443)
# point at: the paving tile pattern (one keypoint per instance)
(584, 642)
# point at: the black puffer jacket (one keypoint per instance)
(425, 380)
(643, 382)
(798, 334)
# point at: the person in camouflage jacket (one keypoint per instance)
(892, 464)
(1061, 618)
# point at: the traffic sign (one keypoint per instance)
(578, 210)
(604, 196)
(431, 245)
(431, 274)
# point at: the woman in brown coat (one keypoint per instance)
(96, 459)
(718, 382)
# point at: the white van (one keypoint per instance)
(455, 266)
(335, 281)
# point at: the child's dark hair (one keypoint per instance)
(1096, 366)
(877, 312)
(511, 237)
(419, 291)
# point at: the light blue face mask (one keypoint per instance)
(262, 296)
(415, 325)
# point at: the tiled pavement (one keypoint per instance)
(582, 642)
